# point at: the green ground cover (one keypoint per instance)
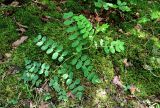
(142, 50)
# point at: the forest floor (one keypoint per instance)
(138, 68)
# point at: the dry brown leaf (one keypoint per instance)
(132, 89)
(21, 30)
(127, 33)
(98, 19)
(126, 63)
(45, 18)
(117, 81)
(8, 55)
(59, 9)
(69, 94)
(14, 3)
(8, 12)
(44, 105)
(20, 25)
(13, 70)
(138, 27)
(32, 105)
(121, 31)
(45, 87)
(19, 41)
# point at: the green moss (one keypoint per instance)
(138, 51)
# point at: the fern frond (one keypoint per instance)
(80, 29)
(62, 95)
(33, 70)
(83, 62)
(51, 47)
(74, 86)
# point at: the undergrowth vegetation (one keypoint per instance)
(89, 53)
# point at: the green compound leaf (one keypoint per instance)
(42, 68)
(65, 53)
(69, 81)
(90, 76)
(79, 88)
(106, 49)
(91, 32)
(38, 38)
(68, 22)
(34, 78)
(79, 48)
(73, 36)
(27, 62)
(79, 95)
(46, 73)
(68, 15)
(33, 67)
(86, 34)
(71, 29)
(46, 46)
(55, 55)
(79, 65)
(50, 50)
(59, 48)
(85, 70)
(65, 76)
(75, 43)
(40, 43)
(71, 75)
(38, 83)
(83, 30)
(61, 58)
(77, 82)
(87, 62)
(74, 61)
(84, 57)
(72, 86)
(111, 48)
(96, 80)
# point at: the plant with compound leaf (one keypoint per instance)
(74, 58)
(119, 5)
(84, 32)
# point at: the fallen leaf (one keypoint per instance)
(21, 30)
(43, 105)
(8, 55)
(69, 94)
(136, 15)
(59, 9)
(138, 27)
(14, 3)
(38, 90)
(13, 70)
(31, 105)
(45, 18)
(98, 19)
(126, 63)
(132, 89)
(19, 41)
(147, 67)
(127, 33)
(121, 31)
(117, 81)
(45, 87)
(20, 25)
(8, 12)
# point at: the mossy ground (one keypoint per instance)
(139, 50)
